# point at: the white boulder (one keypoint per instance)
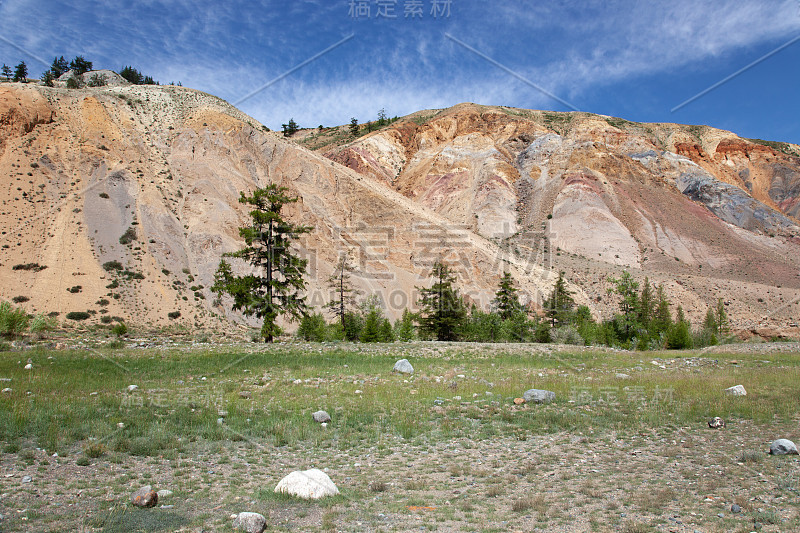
(736, 390)
(403, 366)
(307, 484)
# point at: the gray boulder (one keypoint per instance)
(250, 522)
(783, 447)
(736, 390)
(321, 417)
(403, 366)
(539, 396)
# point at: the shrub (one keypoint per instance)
(36, 267)
(41, 323)
(96, 81)
(128, 237)
(174, 314)
(73, 82)
(113, 285)
(132, 275)
(312, 327)
(119, 330)
(106, 319)
(679, 337)
(108, 266)
(13, 321)
(103, 195)
(20, 299)
(76, 289)
(566, 335)
(103, 302)
(95, 450)
(78, 315)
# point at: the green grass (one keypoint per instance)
(174, 406)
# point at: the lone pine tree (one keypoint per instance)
(276, 285)
(443, 311)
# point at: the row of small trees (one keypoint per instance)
(20, 72)
(644, 320)
(383, 120)
(78, 66)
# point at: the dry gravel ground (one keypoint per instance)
(658, 474)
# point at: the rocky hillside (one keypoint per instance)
(703, 211)
(119, 201)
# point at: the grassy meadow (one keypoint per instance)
(249, 405)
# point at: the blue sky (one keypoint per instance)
(633, 59)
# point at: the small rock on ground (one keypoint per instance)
(539, 396)
(321, 417)
(250, 522)
(403, 366)
(145, 497)
(736, 390)
(783, 447)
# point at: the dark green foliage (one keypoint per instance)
(20, 299)
(679, 336)
(354, 126)
(382, 121)
(559, 305)
(721, 318)
(136, 77)
(21, 72)
(506, 300)
(404, 329)
(36, 267)
(59, 66)
(646, 306)
(443, 312)
(372, 323)
(291, 128)
(385, 331)
(73, 82)
(80, 66)
(96, 81)
(279, 289)
(6, 70)
(129, 236)
(373, 329)
(482, 327)
(109, 266)
(120, 329)
(312, 327)
(78, 315)
(353, 323)
(542, 332)
(174, 315)
(662, 319)
(519, 328)
(626, 287)
(47, 78)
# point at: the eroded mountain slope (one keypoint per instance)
(119, 201)
(678, 203)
